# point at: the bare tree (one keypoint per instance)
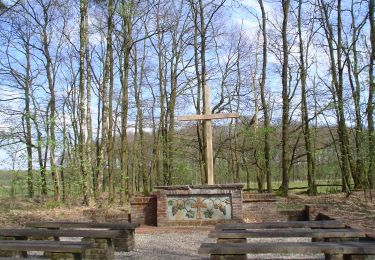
(266, 123)
(370, 103)
(285, 96)
(337, 81)
(304, 108)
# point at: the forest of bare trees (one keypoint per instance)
(90, 91)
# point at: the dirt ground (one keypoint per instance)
(357, 209)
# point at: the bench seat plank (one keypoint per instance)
(125, 242)
(32, 232)
(283, 224)
(288, 248)
(313, 233)
(46, 246)
(67, 224)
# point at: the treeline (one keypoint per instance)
(90, 91)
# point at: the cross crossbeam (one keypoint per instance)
(207, 117)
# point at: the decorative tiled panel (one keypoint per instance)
(199, 207)
(220, 203)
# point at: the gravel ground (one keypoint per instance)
(166, 246)
(182, 245)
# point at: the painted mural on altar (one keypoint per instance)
(199, 207)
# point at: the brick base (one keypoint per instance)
(262, 207)
(143, 210)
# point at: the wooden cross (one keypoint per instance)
(199, 205)
(207, 117)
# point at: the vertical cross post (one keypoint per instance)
(209, 157)
(207, 126)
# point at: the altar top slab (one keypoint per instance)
(206, 187)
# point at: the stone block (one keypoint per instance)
(57, 256)
(103, 249)
(126, 241)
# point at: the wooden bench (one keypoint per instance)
(124, 242)
(102, 240)
(58, 248)
(332, 250)
(291, 232)
(284, 224)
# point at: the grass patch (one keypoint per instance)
(300, 186)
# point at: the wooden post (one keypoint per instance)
(207, 117)
(209, 158)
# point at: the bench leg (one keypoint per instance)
(22, 254)
(13, 254)
(125, 242)
(334, 257)
(340, 256)
(103, 249)
(230, 257)
(349, 257)
(77, 256)
(360, 257)
(60, 255)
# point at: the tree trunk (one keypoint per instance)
(29, 144)
(338, 94)
(138, 103)
(52, 106)
(82, 121)
(39, 147)
(285, 96)
(89, 145)
(311, 190)
(111, 145)
(370, 103)
(358, 173)
(124, 72)
(267, 166)
(104, 124)
(199, 129)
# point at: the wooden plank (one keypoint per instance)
(284, 224)
(289, 248)
(46, 246)
(295, 232)
(67, 224)
(33, 232)
(209, 153)
(207, 117)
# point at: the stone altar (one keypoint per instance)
(199, 204)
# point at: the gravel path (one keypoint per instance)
(181, 245)
(155, 243)
(166, 246)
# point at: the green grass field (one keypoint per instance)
(330, 186)
(13, 183)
